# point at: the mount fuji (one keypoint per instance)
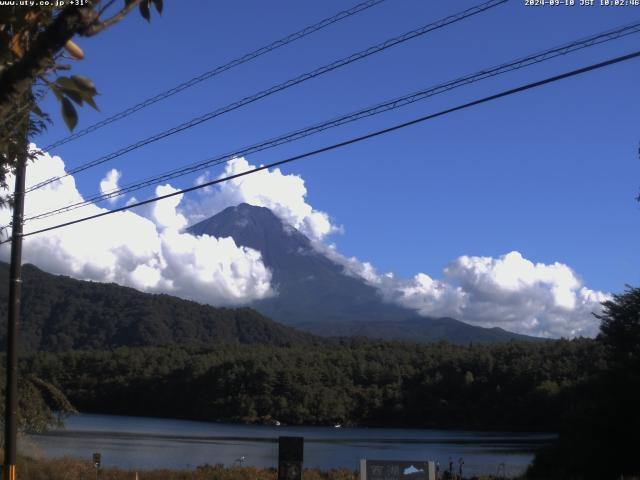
(316, 294)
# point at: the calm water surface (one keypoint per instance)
(145, 443)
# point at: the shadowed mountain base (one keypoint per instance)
(317, 295)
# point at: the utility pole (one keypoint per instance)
(15, 289)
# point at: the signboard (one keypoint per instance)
(397, 470)
(290, 456)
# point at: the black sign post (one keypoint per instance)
(96, 463)
(290, 457)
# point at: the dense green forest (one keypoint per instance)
(599, 435)
(191, 361)
(60, 313)
(356, 382)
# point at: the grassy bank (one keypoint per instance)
(73, 469)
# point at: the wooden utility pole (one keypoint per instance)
(15, 289)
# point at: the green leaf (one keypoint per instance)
(144, 10)
(89, 99)
(69, 113)
(84, 83)
(57, 92)
(67, 84)
(75, 96)
(159, 5)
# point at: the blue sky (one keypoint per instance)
(551, 173)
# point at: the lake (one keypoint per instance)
(146, 443)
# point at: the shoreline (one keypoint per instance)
(69, 468)
(151, 443)
(545, 434)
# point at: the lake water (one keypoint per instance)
(146, 443)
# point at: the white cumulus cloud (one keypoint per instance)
(164, 213)
(510, 292)
(284, 195)
(513, 292)
(149, 254)
(110, 183)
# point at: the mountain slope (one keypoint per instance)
(314, 293)
(61, 313)
(311, 288)
(418, 330)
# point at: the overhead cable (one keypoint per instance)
(351, 141)
(216, 71)
(279, 87)
(519, 63)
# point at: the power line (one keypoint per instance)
(218, 70)
(204, 76)
(351, 141)
(521, 62)
(282, 86)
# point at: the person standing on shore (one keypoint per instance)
(460, 465)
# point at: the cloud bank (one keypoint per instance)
(150, 254)
(509, 292)
(147, 250)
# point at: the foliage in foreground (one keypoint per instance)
(72, 469)
(33, 38)
(41, 405)
(599, 438)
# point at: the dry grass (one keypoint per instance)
(72, 469)
(67, 468)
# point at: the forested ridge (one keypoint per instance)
(61, 313)
(517, 386)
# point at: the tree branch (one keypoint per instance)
(17, 79)
(106, 7)
(99, 27)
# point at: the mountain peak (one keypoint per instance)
(243, 210)
(310, 286)
(255, 227)
(315, 292)
(248, 209)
